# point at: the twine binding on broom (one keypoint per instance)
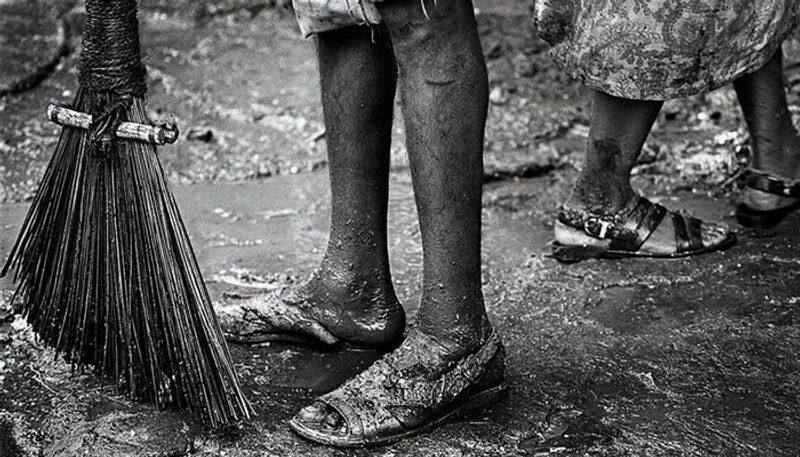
(159, 134)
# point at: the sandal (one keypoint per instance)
(764, 182)
(626, 232)
(409, 391)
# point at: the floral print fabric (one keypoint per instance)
(661, 49)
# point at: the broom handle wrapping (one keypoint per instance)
(110, 57)
(156, 135)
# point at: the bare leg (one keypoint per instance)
(444, 98)
(352, 289)
(350, 297)
(775, 142)
(618, 132)
(444, 90)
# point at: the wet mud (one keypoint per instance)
(41, 27)
(690, 357)
(694, 357)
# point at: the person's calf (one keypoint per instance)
(350, 295)
(603, 185)
(774, 138)
(762, 96)
(444, 101)
(619, 129)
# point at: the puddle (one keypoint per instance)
(301, 367)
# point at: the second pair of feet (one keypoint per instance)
(432, 375)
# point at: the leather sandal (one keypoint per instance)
(398, 397)
(629, 229)
(765, 219)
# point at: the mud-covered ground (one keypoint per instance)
(693, 357)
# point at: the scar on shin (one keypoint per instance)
(446, 82)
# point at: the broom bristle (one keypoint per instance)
(107, 276)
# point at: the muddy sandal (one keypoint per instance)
(262, 318)
(409, 391)
(624, 233)
(764, 182)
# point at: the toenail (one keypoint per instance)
(332, 420)
(310, 414)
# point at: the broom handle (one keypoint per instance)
(110, 58)
(156, 135)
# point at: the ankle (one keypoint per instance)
(353, 285)
(601, 193)
(460, 333)
(358, 305)
(779, 157)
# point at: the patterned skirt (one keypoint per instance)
(661, 49)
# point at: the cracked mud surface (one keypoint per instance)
(690, 357)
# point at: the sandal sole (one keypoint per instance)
(474, 403)
(574, 254)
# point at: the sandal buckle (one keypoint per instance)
(597, 228)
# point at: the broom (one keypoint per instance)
(104, 269)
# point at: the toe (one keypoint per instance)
(314, 329)
(313, 413)
(320, 414)
(333, 420)
(232, 322)
(714, 233)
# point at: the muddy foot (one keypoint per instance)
(760, 200)
(326, 309)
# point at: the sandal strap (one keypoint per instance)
(642, 221)
(766, 182)
(626, 230)
(688, 232)
(601, 226)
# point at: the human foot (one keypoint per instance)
(773, 180)
(331, 307)
(639, 229)
(767, 199)
(772, 191)
(418, 386)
